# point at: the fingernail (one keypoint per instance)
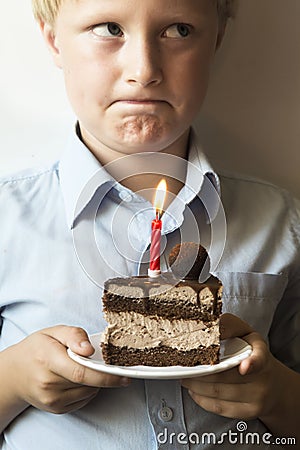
(85, 344)
(125, 381)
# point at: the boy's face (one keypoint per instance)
(136, 71)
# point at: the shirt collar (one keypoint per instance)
(198, 165)
(81, 175)
(201, 183)
(208, 190)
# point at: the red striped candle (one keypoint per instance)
(155, 245)
(156, 226)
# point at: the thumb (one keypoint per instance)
(75, 338)
(232, 326)
(259, 356)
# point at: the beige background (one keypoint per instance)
(250, 121)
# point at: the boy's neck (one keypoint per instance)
(144, 181)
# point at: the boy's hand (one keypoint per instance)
(245, 392)
(45, 377)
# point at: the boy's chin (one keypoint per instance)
(142, 131)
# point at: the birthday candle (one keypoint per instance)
(156, 226)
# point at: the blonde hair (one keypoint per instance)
(47, 10)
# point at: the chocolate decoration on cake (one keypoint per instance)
(187, 260)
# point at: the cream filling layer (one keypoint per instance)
(134, 330)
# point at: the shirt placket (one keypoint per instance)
(166, 414)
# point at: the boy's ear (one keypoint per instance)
(51, 42)
(221, 32)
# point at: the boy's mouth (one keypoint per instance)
(139, 101)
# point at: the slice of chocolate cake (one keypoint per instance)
(164, 321)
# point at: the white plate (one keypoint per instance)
(233, 351)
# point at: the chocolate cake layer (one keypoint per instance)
(164, 296)
(159, 356)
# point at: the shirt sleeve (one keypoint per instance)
(284, 336)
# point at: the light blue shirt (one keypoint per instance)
(66, 229)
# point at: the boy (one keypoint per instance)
(136, 74)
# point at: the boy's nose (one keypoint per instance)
(142, 64)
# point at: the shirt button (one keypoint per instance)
(165, 414)
(125, 196)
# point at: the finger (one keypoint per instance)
(202, 386)
(221, 391)
(233, 410)
(70, 400)
(233, 326)
(80, 394)
(231, 376)
(73, 337)
(245, 392)
(259, 356)
(77, 405)
(82, 375)
(59, 363)
(73, 407)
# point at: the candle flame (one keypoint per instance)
(160, 196)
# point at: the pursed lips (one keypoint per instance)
(139, 101)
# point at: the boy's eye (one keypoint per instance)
(108, 29)
(178, 30)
